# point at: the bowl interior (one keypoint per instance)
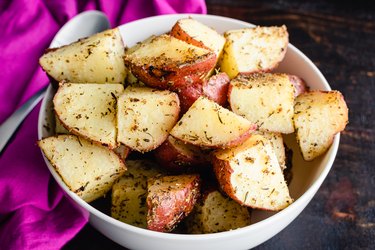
(307, 176)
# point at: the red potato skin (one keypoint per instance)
(299, 84)
(215, 89)
(240, 139)
(169, 156)
(223, 172)
(180, 33)
(166, 209)
(172, 76)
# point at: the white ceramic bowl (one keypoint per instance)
(307, 176)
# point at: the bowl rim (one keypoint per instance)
(299, 203)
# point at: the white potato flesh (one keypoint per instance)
(146, 116)
(277, 142)
(88, 169)
(318, 117)
(254, 49)
(266, 99)
(208, 124)
(89, 110)
(251, 175)
(98, 58)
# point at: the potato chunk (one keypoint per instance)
(198, 34)
(217, 213)
(258, 49)
(208, 124)
(98, 58)
(318, 116)
(89, 110)
(251, 175)
(130, 191)
(265, 99)
(145, 117)
(170, 199)
(166, 62)
(88, 169)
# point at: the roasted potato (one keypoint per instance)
(215, 213)
(198, 34)
(215, 89)
(318, 117)
(266, 99)
(277, 142)
(130, 191)
(170, 199)
(145, 117)
(258, 49)
(89, 110)
(208, 124)
(251, 175)
(166, 62)
(87, 169)
(177, 155)
(98, 58)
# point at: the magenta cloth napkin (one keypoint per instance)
(34, 213)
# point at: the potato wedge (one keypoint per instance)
(318, 116)
(130, 191)
(215, 89)
(266, 99)
(250, 174)
(166, 62)
(217, 213)
(170, 199)
(98, 58)
(258, 49)
(88, 169)
(59, 127)
(199, 34)
(89, 110)
(208, 124)
(177, 155)
(145, 117)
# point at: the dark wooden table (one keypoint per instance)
(339, 37)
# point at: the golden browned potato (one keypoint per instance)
(199, 34)
(207, 124)
(98, 58)
(145, 116)
(277, 142)
(89, 110)
(318, 117)
(166, 62)
(215, 213)
(251, 175)
(170, 199)
(88, 169)
(266, 99)
(177, 155)
(258, 49)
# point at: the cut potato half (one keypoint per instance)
(266, 99)
(318, 116)
(98, 58)
(208, 124)
(251, 175)
(258, 49)
(145, 117)
(89, 110)
(88, 169)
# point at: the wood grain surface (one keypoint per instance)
(339, 37)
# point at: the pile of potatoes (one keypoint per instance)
(185, 126)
